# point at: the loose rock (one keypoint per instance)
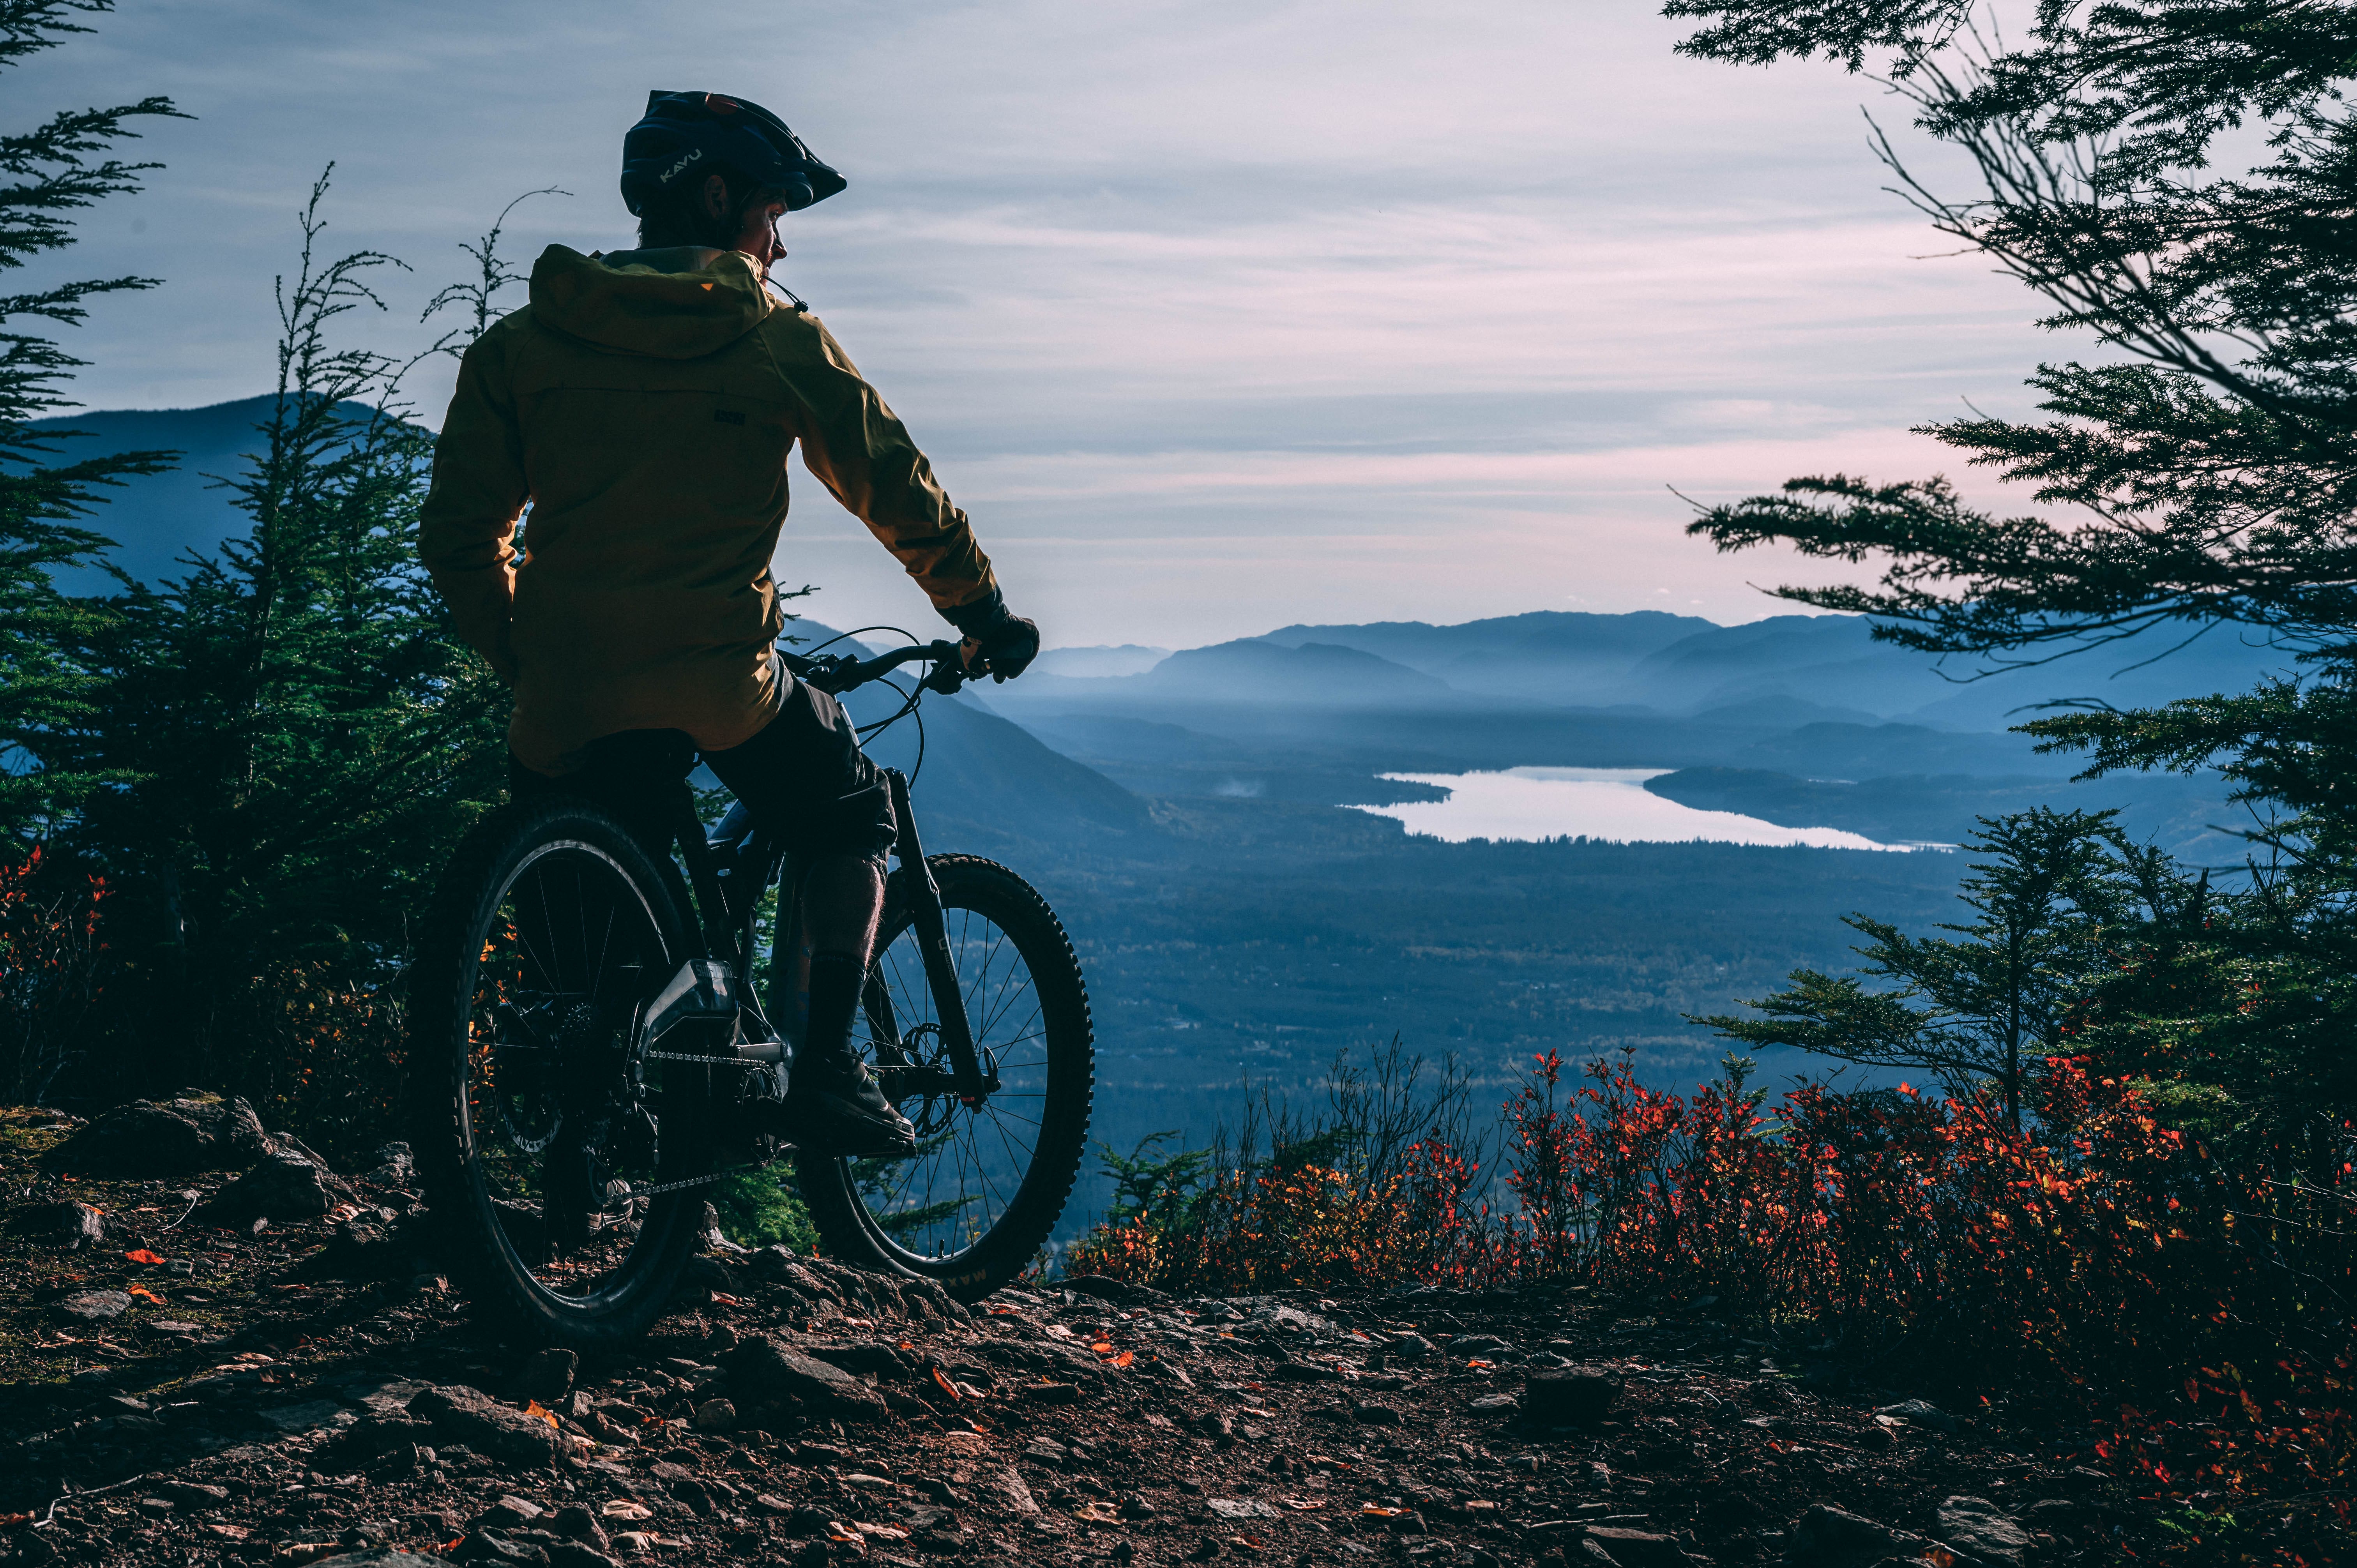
(284, 1186)
(1837, 1539)
(765, 1368)
(91, 1306)
(1978, 1529)
(1922, 1412)
(1571, 1396)
(463, 1414)
(548, 1376)
(64, 1223)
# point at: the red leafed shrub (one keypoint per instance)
(2093, 1260)
(50, 969)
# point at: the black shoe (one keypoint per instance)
(835, 1106)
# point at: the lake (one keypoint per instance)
(1608, 803)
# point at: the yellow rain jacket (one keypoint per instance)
(644, 410)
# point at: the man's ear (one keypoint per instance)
(716, 196)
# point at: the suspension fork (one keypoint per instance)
(975, 1078)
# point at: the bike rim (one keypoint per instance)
(558, 1106)
(972, 1161)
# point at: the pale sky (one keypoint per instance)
(1214, 316)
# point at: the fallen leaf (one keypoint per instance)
(947, 1387)
(145, 1295)
(622, 1507)
(1379, 1511)
(11, 1520)
(1477, 1361)
(1103, 1348)
(1125, 1358)
(724, 1299)
(532, 1407)
(142, 1256)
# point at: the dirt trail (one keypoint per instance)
(309, 1390)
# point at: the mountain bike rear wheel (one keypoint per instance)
(989, 1181)
(535, 1109)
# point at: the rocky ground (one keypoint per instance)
(251, 1358)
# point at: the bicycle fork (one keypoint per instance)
(975, 1076)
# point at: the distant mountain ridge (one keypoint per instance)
(157, 519)
(1681, 664)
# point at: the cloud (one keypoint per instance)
(1376, 300)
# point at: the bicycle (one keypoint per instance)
(586, 1050)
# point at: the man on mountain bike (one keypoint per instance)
(642, 407)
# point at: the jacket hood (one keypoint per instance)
(680, 304)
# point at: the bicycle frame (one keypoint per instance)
(727, 897)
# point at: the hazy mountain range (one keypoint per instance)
(1179, 808)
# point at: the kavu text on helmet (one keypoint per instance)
(683, 136)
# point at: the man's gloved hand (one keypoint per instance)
(997, 641)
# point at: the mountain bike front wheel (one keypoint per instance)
(991, 1179)
(560, 1155)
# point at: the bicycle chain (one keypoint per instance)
(686, 1182)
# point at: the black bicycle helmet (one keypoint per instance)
(683, 134)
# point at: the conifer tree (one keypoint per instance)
(293, 741)
(2197, 477)
(54, 169)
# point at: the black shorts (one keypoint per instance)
(803, 778)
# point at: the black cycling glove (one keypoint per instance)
(1008, 642)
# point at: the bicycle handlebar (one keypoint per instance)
(839, 673)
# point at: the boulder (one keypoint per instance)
(1977, 1529)
(147, 1138)
(141, 1139)
(232, 1129)
(766, 1368)
(282, 1187)
(467, 1415)
(64, 1223)
(1569, 1396)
